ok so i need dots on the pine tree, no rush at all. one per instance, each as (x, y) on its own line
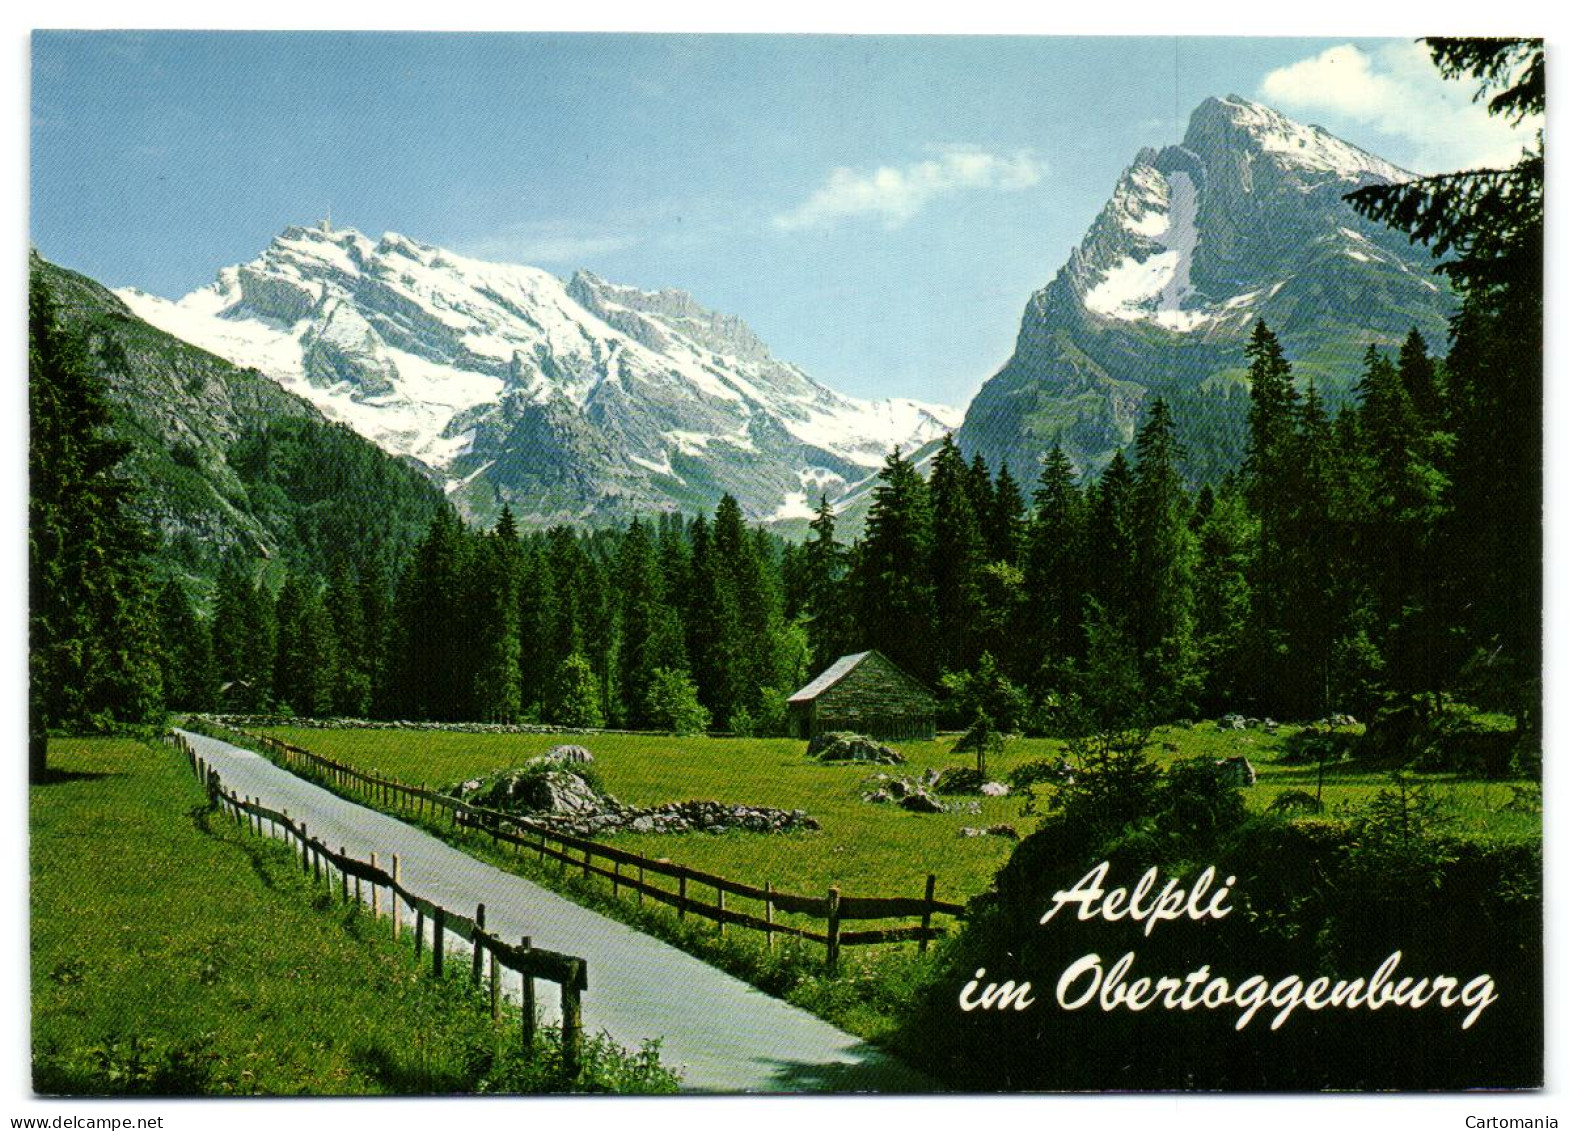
(1162, 616)
(824, 570)
(1006, 529)
(650, 634)
(186, 652)
(958, 553)
(92, 629)
(891, 575)
(495, 694)
(1419, 376)
(1111, 533)
(537, 618)
(1054, 571)
(1227, 538)
(1487, 227)
(1267, 479)
(351, 691)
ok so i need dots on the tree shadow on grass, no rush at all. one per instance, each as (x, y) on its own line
(401, 1074)
(60, 777)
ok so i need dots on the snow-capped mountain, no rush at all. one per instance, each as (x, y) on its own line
(1245, 219)
(570, 401)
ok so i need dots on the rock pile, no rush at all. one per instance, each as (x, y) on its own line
(847, 746)
(991, 830)
(914, 794)
(563, 801)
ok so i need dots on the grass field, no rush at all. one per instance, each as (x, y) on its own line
(874, 849)
(173, 954)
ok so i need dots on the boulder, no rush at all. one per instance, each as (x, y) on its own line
(1237, 771)
(921, 802)
(568, 752)
(846, 746)
(994, 789)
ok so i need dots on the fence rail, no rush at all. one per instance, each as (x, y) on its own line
(833, 907)
(319, 861)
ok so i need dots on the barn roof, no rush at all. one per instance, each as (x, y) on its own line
(831, 675)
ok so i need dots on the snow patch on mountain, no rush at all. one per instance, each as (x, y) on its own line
(455, 362)
(1153, 284)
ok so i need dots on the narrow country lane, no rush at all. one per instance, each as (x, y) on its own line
(724, 1035)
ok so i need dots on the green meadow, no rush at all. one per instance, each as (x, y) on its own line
(173, 953)
(883, 850)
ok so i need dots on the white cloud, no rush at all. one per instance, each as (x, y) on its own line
(896, 194)
(535, 244)
(1397, 91)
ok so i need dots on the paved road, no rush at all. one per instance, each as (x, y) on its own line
(723, 1034)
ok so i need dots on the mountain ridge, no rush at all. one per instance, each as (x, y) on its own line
(579, 401)
(1241, 220)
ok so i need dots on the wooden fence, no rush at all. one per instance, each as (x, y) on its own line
(630, 870)
(320, 862)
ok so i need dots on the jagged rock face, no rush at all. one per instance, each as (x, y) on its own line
(571, 401)
(1244, 220)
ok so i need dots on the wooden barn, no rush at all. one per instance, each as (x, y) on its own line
(866, 693)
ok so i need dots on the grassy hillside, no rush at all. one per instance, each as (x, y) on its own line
(227, 460)
(173, 954)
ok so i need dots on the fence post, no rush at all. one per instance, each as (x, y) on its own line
(719, 896)
(768, 912)
(479, 946)
(495, 988)
(438, 941)
(640, 885)
(588, 854)
(572, 1020)
(305, 848)
(681, 907)
(343, 851)
(833, 928)
(926, 915)
(529, 1008)
(397, 912)
(375, 894)
(615, 882)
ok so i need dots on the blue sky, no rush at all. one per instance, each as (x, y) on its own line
(878, 208)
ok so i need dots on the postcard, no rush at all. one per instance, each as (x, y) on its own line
(610, 563)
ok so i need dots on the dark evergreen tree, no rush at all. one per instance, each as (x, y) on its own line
(1486, 225)
(189, 683)
(958, 552)
(1162, 614)
(1267, 480)
(92, 629)
(351, 690)
(650, 634)
(891, 575)
(825, 562)
(1111, 536)
(1006, 529)
(491, 623)
(1054, 569)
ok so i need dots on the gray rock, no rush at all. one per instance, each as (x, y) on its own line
(846, 746)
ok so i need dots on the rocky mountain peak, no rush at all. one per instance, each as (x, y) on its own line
(582, 401)
(1245, 219)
